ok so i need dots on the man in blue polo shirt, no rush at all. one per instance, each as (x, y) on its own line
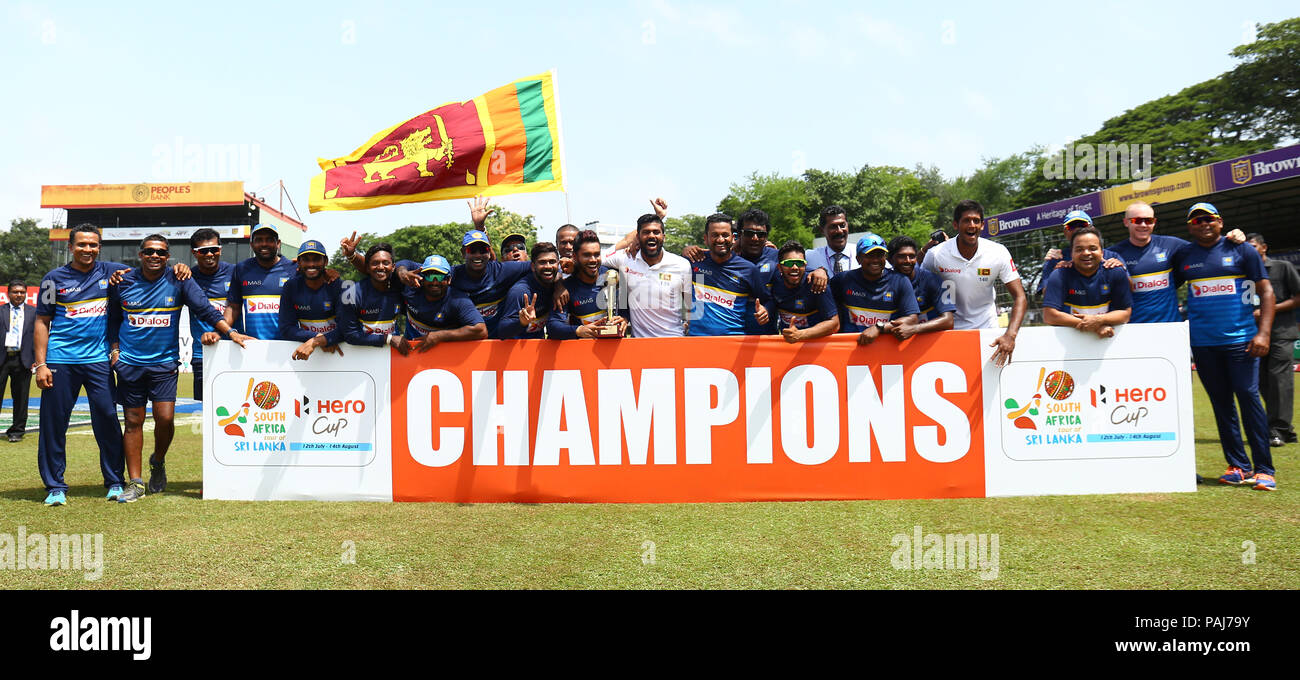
(213, 277)
(484, 280)
(587, 308)
(727, 286)
(370, 308)
(528, 310)
(934, 297)
(800, 313)
(1085, 296)
(71, 342)
(437, 313)
(1056, 260)
(144, 332)
(253, 303)
(309, 305)
(1224, 280)
(871, 296)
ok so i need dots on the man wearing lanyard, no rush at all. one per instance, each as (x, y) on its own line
(16, 324)
(838, 255)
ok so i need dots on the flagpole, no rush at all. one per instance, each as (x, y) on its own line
(559, 134)
(568, 216)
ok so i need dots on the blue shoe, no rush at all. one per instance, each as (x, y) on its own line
(114, 492)
(56, 498)
(1235, 476)
(1265, 482)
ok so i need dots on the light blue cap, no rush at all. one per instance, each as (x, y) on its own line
(436, 263)
(1077, 216)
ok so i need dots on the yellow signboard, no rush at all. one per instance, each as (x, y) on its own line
(1176, 186)
(141, 195)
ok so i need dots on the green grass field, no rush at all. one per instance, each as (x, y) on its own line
(177, 540)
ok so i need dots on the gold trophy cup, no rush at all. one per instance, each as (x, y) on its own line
(610, 329)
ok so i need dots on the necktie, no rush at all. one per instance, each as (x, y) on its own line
(839, 262)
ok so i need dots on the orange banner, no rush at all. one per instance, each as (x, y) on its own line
(701, 419)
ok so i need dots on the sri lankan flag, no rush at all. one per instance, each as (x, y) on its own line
(504, 142)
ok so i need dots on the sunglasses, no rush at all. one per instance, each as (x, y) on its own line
(753, 233)
(793, 263)
(1204, 219)
(513, 247)
(154, 251)
(1142, 220)
(208, 250)
(435, 277)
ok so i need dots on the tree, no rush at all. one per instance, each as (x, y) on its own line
(25, 252)
(883, 199)
(786, 200)
(418, 241)
(679, 232)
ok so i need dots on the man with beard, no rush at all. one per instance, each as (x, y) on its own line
(484, 280)
(727, 286)
(657, 283)
(801, 314)
(870, 296)
(528, 311)
(1224, 280)
(253, 303)
(144, 330)
(1085, 296)
(589, 292)
(437, 313)
(972, 265)
(933, 297)
(369, 310)
(309, 305)
(213, 278)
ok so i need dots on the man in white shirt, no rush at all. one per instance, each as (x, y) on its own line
(17, 321)
(969, 266)
(657, 283)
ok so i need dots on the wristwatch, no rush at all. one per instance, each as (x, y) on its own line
(880, 326)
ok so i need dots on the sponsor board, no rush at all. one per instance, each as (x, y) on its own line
(708, 419)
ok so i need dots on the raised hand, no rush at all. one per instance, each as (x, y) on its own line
(528, 312)
(479, 210)
(349, 245)
(660, 206)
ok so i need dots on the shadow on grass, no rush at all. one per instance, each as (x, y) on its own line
(38, 493)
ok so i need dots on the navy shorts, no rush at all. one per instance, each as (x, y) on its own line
(139, 385)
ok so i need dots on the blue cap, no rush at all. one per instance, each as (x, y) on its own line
(436, 263)
(312, 247)
(474, 236)
(1207, 208)
(1077, 216)
(264, 225)
(871, 242)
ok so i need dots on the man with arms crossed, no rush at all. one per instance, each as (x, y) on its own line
(144, 332)
(972, 265)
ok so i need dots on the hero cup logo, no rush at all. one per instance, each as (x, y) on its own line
(264, 395)
(1058, 386)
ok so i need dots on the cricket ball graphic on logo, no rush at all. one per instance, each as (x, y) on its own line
(266, 395)
(1059, 385)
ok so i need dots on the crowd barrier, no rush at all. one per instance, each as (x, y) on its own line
(703, 419)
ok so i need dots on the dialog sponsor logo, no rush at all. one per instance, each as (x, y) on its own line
(262, 305)
(1213, 288)
(1146, 283)
(92, 308)
(715, 296)
(149, 320)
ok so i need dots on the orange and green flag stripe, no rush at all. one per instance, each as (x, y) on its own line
(503, 142)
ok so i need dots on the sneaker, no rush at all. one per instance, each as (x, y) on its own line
(1276, 441)
(56, 498)
(1264, 482)
(157, 476)
(114, 492)
(1234, 476)
(134, 492)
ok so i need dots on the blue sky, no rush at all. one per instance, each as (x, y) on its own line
(657, 97)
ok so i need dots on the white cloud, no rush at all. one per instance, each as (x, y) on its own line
(807, 42)
(884, 34)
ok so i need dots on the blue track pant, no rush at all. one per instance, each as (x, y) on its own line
(56, 409)
(1227, 371)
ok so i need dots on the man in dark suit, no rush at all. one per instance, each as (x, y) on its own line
(17, 321)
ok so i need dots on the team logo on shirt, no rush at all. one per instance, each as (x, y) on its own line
(170, 300)
(227, 285)
(798, 304)
(1227, 261)
(665, 277)
(983, 272)
(283, 279)
(103, 283)
(1161, 256)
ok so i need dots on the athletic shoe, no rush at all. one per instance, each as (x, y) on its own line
(1235, 476)
(134, 492)
(114, 492)
(157, 476)
(56, 498)
(1264, 482)
(1276, 442)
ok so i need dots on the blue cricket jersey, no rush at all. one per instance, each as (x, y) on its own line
(724, 295)
(1220, 291)
(931, 298)
(452, 310)
(587, 301)
(216, 287)
(799, 307)
(1049, 266)
(767, 273)
(1151, 272)
(488, 292)
(305, 312)
(79, 307)
(1073, 293)
(368, 315)
(551, 323)
(862, 303)
(145, 316)
(255, 291)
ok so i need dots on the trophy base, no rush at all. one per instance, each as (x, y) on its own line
(607, 332)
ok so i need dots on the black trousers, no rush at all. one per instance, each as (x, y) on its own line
(20, 377)
(1277, 386)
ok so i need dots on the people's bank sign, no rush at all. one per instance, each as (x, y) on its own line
(703, 419)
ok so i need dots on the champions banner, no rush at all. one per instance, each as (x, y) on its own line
(504, 142)
(703, 419)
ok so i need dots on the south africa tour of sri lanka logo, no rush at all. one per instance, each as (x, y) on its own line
(264, 395)
(1057, 385)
